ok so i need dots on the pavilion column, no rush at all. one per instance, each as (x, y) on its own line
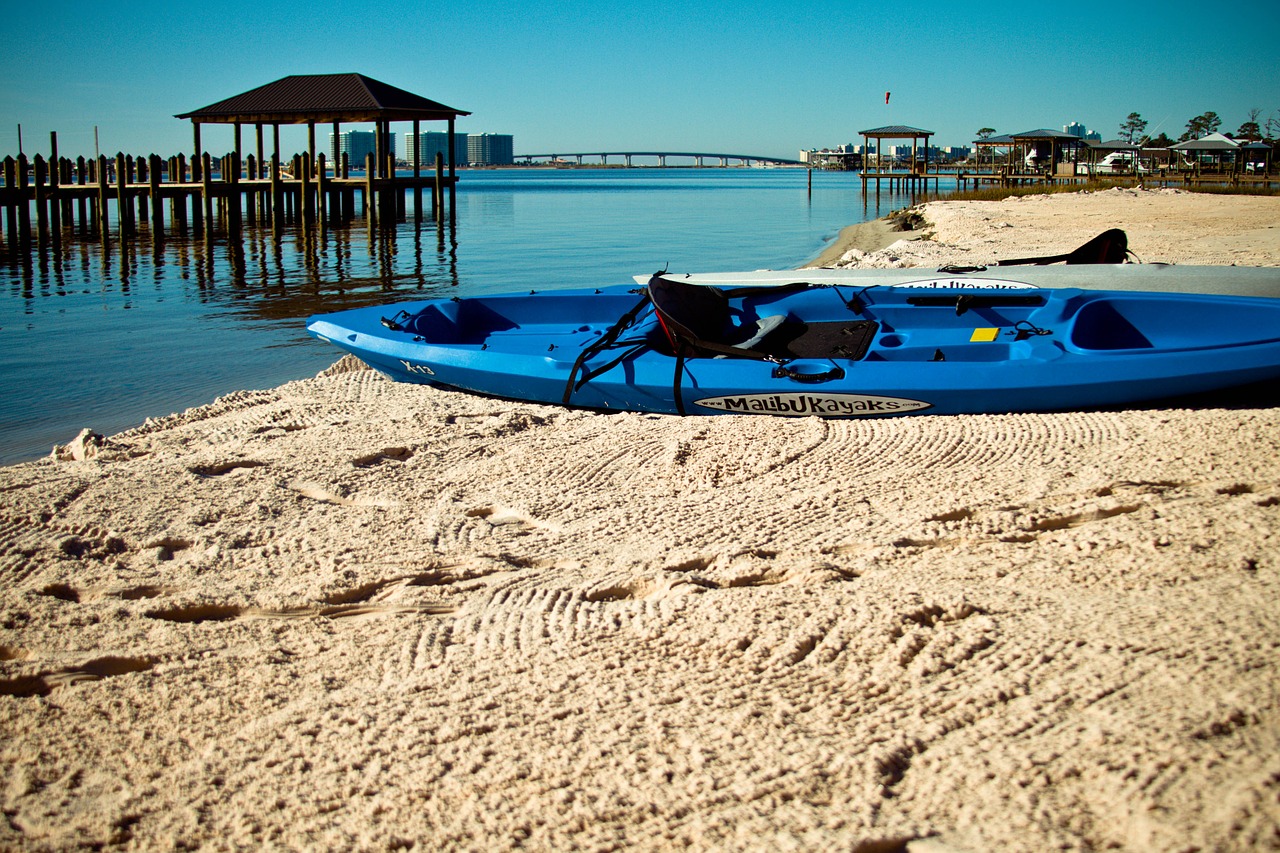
(452, 145)
(335, 194)
(417, 169)
(258, 129)
(311, 147)
(195, 126)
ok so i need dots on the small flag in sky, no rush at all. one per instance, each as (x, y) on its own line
(886, 97)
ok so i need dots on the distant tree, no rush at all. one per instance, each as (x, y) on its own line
(1201, 125)
(1161, 141)
(1272, 127)
(985, 132)
(1133, 128)
(1250, 130)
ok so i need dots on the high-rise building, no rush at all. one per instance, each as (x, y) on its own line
(491, 149)
(435, 142)
(1079, 131)
(357, 144)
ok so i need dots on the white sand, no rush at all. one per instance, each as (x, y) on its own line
(346, 613)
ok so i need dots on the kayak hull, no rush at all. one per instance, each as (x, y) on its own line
(1155, 278)
(1024, 350)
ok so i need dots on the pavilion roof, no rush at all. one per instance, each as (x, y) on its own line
(1115, 145)
(895, 131)
(303, 98)
(1212, 142)
(1045, 133)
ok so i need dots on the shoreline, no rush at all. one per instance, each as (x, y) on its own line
(874, 235)
(348, 613)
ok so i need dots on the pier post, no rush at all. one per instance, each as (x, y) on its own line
(260, 174)
(143, 199)
(275, 190)
(370, 207)
(417, 171)
(348, 194)
(11, 210)
(231, 174)
(178, 171)
(251, 197)
(55, 179)
(67, 178)
(293, 196)
(104, 219)
(206, 192)
(306, 208)
(437, 199)
(157, 207)
(42, 215)
(123, 212)
(321, 202)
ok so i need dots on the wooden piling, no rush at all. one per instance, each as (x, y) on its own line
(251, 197)
(180, 200)
(123, 212)
(231, 175)
(321, 201)
(42, 215)
(437, 198)
(206, 192)
(140, 164)
(11, 210)
(308, 213)
(81, 206)
(370, 206)
(157, 209)
(276, 214)
(104, 219)
(24, 212)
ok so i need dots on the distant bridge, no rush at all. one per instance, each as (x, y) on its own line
(699, 158)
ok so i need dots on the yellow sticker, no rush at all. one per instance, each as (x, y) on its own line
(983, 336)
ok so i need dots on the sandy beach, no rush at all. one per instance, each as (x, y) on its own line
(352, 614)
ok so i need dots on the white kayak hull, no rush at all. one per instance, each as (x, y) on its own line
(1156, 278)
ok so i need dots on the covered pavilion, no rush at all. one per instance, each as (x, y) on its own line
(991, 144)
(1214, 147)
(1112, 146)
(1257, 156)
(895, 131)
(1034, 144)
(313, 99)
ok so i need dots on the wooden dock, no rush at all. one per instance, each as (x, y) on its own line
(1011, 178)
(900, 181)
(51, 200)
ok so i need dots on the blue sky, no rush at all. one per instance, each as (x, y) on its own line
(755, 76)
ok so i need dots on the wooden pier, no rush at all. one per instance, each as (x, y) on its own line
(1007, 177)
(900, 181)
(51, 200)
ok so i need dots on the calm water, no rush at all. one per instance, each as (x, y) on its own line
(105, 341)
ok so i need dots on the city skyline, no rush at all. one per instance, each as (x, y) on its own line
(767, 78)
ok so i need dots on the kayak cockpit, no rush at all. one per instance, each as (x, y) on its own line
(1147, 323)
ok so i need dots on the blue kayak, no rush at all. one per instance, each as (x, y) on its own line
(820, 349)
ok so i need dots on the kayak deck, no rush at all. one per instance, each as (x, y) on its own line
(824, 349)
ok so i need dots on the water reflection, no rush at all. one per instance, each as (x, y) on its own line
(267, 273)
